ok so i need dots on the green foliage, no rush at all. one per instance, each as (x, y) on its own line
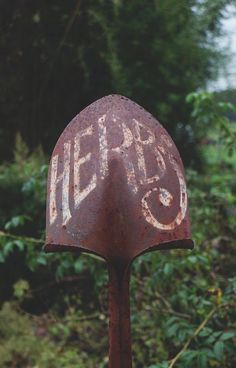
(53, 310)
(57, 316)
(29, 342)
(21, 287)
(210, 114)
(155, 54)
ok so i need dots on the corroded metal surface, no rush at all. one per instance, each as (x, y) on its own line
(116, 188)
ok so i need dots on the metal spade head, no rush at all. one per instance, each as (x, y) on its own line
(116, 188)
(116, 185)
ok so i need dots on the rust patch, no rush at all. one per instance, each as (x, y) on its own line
(116, 188)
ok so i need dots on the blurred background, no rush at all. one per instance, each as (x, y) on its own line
(177, 59)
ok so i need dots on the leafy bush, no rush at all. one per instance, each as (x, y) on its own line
(42, 342)
(182, 302)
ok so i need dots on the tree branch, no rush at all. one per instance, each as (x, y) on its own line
(22, 238)
(196, 332)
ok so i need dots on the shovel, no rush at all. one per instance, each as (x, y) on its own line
(116, 188)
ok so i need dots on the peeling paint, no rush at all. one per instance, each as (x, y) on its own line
(81, 194)
(103, 146)
(160, 152)
(55, 180)
(165, 197)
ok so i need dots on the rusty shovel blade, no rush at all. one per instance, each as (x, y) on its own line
(116, 188)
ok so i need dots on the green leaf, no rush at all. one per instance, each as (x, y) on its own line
(8, 248)
(159, 365)
(78, 265)
(2, 258)
(168, 269)
(219, 349)
(42, 260)
(205, 332)
(16, 221)
(36, 18)
(227, 335)
(20, 288)
(19, 244)
(202, 360)
(192, 259)
(172, 330)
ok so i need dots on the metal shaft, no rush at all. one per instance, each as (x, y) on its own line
(120, 354)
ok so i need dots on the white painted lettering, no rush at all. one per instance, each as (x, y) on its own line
(55, 179)
(166, 198)
(127, 142)
(139, 143)
(103, 146)
(80, 195)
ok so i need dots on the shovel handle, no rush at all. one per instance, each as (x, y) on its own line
(120, 354)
